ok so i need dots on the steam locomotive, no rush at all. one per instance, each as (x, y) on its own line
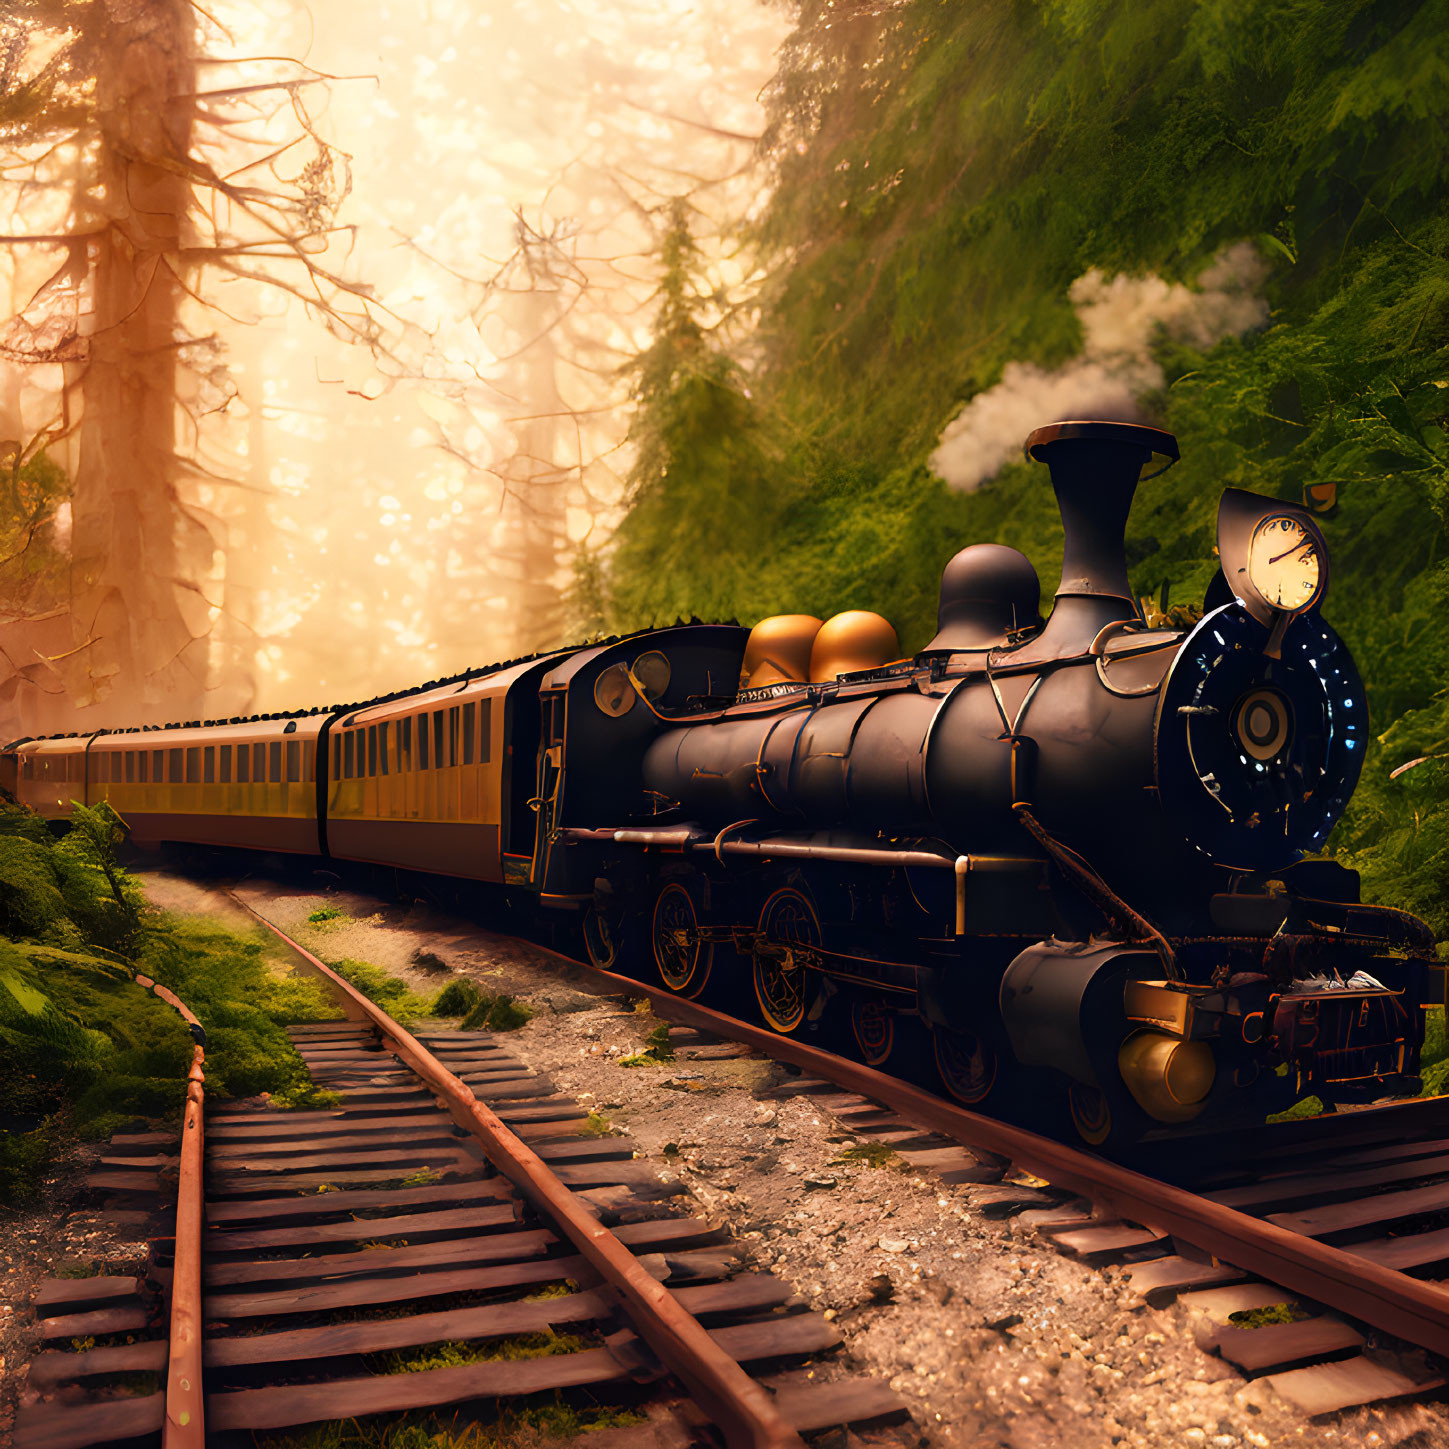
(1076, 852)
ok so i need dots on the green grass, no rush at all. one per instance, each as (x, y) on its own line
(395, 996)
(323, 914)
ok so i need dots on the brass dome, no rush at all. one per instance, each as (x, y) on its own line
(778, 650)
(856, 639)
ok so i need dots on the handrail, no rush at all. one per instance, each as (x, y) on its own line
(743, 1410)
(185, 1416)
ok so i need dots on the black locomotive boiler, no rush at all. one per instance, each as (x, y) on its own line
(1079, 853)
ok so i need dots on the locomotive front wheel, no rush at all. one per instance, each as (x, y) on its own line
(873, 1024)
(785, 989)
(1111, 1121)
(1091, 1113)
(967, 1063)
(601, 939)
(682, 958)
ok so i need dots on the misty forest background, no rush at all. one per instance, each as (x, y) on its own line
(932, 183)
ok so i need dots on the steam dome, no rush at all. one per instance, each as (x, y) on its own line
(987, 590)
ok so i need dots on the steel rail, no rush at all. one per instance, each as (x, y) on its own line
(185, 1424)
(1409, 1308)
(742, 1409)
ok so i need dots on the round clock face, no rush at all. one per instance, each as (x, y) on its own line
(1284, 563)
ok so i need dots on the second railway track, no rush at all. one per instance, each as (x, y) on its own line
(452, 1199)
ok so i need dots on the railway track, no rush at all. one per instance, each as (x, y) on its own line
(1337, 1223)
(1342, 1221)
(454, 1198)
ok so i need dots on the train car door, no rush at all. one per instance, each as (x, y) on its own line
(550, 777)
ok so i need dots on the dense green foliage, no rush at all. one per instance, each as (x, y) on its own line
(702, 467)
(943, 173)
(83, 1049)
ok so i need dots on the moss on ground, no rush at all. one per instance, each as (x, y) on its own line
(84, 1051)
(655, 1051)
(552, 1418)
(457, 1353)
(1267, 1316)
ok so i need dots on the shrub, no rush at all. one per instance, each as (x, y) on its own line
(457, 998)
(496, 1013)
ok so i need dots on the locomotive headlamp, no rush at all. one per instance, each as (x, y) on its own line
(1263, 723)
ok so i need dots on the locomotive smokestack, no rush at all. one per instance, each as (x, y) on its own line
(1095, 470)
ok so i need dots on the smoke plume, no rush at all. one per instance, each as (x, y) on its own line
(1120, 317)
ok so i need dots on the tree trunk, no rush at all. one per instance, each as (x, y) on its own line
(140, 632)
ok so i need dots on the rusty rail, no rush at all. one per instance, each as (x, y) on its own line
(743, 1410)
(185, 1426)
(1406, 1307)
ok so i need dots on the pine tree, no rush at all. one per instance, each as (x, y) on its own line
(700, 489)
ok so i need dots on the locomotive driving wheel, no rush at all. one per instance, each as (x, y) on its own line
(683, 959)
(784, 987)
(873, 1024)
(601, 939)
(967, 1063)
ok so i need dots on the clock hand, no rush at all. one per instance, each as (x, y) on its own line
(1297, 548)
